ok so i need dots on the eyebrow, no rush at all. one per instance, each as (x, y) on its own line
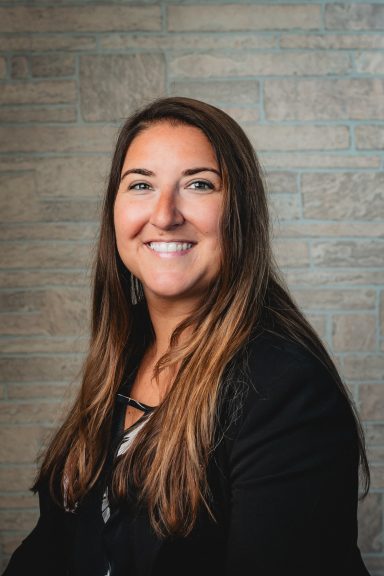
(188, 172)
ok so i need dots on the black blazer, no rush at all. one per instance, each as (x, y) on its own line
(284, 483)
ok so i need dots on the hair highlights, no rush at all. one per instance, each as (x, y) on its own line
(169, 469)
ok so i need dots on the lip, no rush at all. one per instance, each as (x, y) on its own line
(177, 240)
(173, 254)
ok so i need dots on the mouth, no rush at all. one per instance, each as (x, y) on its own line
(170, 247)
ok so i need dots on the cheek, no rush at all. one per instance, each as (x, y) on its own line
(210, 221)
(128, 220)
(204, 212)
(215, 221)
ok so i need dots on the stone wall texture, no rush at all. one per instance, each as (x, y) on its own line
(306, 81)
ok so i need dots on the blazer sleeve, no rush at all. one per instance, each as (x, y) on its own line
(293, 472)
(46, 550)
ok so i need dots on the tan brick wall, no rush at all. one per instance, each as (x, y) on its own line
(306, 81)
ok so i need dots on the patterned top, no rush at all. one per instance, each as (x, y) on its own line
(129, 435)
(127, 439)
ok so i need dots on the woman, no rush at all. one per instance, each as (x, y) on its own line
(212, 433)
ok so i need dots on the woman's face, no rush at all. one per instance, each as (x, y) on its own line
(167, 212)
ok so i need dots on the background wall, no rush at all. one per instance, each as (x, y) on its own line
(305, 80)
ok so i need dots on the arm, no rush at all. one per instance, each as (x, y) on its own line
(293, 472)
(46, 550)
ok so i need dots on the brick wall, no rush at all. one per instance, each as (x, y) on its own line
(306, 81)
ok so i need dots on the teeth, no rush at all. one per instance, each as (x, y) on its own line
(169, 246)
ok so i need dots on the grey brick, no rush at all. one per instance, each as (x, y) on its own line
(20, 501)
(281, 182)
(18, 519)
(186, 41)
(336, 229)
(40, 368)
(377, 476)
(19, 67)
(292, 253)
(319, 324)
(219, 92)
(44, 92)
(19, 444)
(243, 116)
(374, 434)
(68, 139)
(30, 412)
(69, 231)
(332, 41)
(29, 197)
(381, 319)
(46, 255)
(18, 198)
(57, 65)
(375, 565)
(284, 207)
(243, 17)
(350, 16)
(53, 312)
(46, 42)
(335, 299)
(41, 278)
(38, 115)
(197, 65)
(304, 159)
(348, 253)
(74, 177)
(79, 18)
(370, 63)
(334, 278)
(278, 137)
(369, 367)
(369, 137)
(41, 391)
(371, 523)
(112, 87)
(336, 196)
(325, 99)
(353, 332)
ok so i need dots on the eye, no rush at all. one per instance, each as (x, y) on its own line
(201, 185)
(139, 186)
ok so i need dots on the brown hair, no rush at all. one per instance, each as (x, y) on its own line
(169, 470)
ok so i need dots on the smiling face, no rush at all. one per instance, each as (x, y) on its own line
(167, 212)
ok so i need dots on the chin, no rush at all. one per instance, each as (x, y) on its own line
(172, 293)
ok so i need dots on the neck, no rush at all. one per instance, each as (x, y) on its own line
(165, 317)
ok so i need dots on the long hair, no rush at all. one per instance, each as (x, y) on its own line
(167, 463)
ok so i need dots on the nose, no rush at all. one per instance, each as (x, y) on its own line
(166, 213)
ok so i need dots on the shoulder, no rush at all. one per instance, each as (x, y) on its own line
(284, 413)
(278, 384)
(271, 363)
(275, 353)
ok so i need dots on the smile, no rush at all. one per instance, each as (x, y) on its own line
(169, 246)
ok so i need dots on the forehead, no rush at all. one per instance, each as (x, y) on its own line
(173, 140)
